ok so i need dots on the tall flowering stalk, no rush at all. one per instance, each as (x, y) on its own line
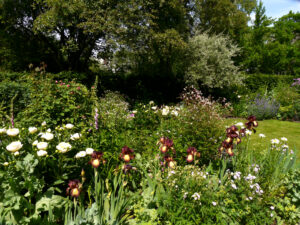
(96, 119)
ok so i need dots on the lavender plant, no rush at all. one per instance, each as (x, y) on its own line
(263, 107)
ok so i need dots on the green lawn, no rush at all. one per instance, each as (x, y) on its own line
(274, 129)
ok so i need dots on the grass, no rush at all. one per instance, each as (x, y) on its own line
(274, 129)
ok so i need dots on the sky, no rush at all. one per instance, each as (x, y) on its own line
(278, 8)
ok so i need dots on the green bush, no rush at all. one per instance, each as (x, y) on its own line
(55, 102)
(255, 81)
(199, 124)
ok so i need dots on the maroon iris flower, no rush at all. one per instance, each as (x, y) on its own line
(192, 153)
(74, 188)
(127, 154)
(251, 123)
(96, 159)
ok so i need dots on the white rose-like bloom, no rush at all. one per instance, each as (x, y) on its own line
(35, 143)
(16, 153)
(284, 139)
(80, 154)
(48, 136)
(42, 145)
(174, 112)
(69, 126)
(89, 151)
(275, 141)
(2, 130)
(63, 147)
(32, 130)
(75, 136)
(12, 132)
(44, 123)
(14, 146)
(41, 153)
(154, 107)
(5, 164)
(262, 135)
(165, 111)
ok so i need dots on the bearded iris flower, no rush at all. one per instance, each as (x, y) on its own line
(166, 144)
(192, 153)
(127, 154)
(74, 188)
(96, 159)
(251, 123)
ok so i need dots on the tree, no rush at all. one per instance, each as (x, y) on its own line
(223, 16)
(211, 61)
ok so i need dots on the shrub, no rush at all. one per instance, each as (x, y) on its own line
(55, 101)
(211, 61)
(198, 124)
(255, 81)
(263, 107)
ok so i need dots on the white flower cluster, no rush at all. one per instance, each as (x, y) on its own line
(236, 175)
(257, 188)
(170, 110)
(256, 168)
(196, 196)
(250, 177)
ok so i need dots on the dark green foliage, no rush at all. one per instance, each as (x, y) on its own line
(255, 81)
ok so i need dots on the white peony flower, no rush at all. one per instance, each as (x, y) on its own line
(262, 135)
(80, 154)
(42, 145)
(63, 147)
(2, 130)
(12, 132)
(69, 126)
(35, 143)
(174, 112)
(165, 111)
(32, 130)
(44, 123)
(48, 130)
(5, 164)
(284, 139)
(48, 136)
(75, 136)
(16, 153)
(41, 153)
(214, 203)
(154, 107)
(275, 141)
(14, 146)
(89, 151)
